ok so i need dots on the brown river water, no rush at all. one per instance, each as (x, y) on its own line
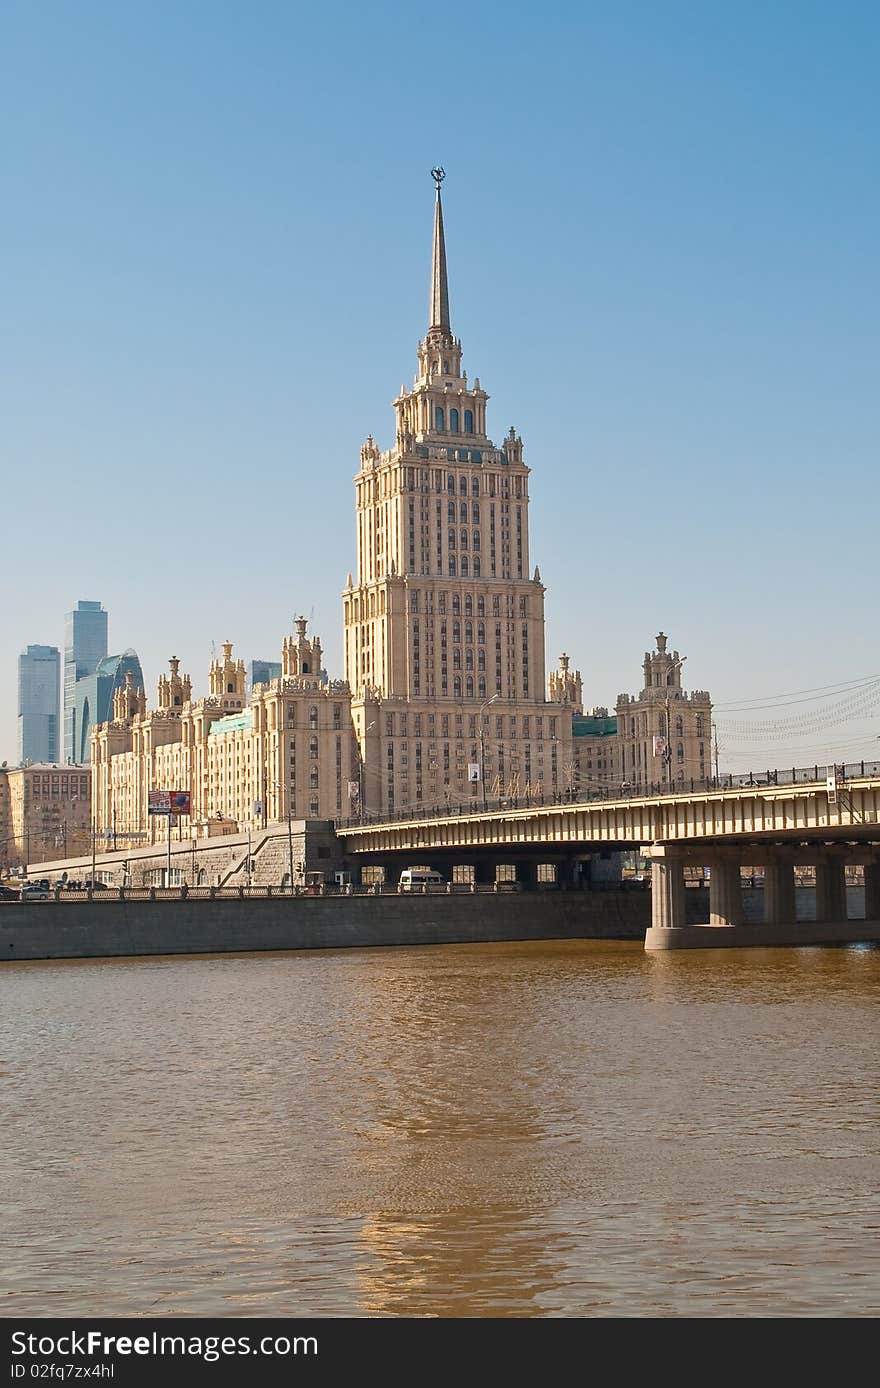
(571, 1129)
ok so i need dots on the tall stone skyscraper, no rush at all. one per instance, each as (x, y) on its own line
(85, 645)
(39, 699)
(445, 617)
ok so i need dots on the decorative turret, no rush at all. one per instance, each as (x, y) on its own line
(662, 670)
(566, 686)
(128, 702)
(513, 447)
(370, 454)
(175, 689)
(227, 679)
(299, 655)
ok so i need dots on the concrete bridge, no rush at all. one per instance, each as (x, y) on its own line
(823, 824)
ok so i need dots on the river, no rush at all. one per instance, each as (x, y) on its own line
(571, 1129)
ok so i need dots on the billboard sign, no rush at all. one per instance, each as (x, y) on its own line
(169, 802)
(473, 771)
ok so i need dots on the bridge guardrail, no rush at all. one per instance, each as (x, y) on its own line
(793, 776)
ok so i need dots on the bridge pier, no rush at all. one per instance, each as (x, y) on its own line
(725, 894)
(779, 905)
(831, 890)
(667, 894)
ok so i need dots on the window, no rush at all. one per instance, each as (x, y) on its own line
(481, 608)
(700, 731)
(313, 778)
(468, 421)
(464, 566)
(453, 421)
(439, 420)
(452, 566)
(680, 752)
(313, 748)
(456, 605)
(456, 686)
(313, 716)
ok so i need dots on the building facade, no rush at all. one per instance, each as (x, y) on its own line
(44, 814)
(288, 752)
(444, 619)
(664, 734)
(85, 646)
(39, 700)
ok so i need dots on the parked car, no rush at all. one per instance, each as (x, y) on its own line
(94, 886)
(9, 894)
(34, 891)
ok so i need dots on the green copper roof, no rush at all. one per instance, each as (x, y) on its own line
(233, 723)
(587, 726)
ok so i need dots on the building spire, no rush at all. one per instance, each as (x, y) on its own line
(439, 316)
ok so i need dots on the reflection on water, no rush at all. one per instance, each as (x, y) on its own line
(507, 1130)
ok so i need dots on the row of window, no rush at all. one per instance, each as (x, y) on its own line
(454, 421)
(74, 787)
(456, 604)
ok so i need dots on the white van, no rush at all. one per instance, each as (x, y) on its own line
(414, 879)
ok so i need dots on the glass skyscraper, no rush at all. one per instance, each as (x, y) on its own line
(39, 700)
(85, 646)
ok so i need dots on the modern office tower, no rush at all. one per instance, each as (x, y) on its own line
(39, 697)
(85, 645)
(262, 672)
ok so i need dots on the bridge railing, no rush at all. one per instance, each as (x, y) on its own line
(619, 790)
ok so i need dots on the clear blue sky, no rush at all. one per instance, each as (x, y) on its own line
(662, 224)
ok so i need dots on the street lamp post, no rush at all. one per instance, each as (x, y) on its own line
(276, 785)
(484, 705)
(367, 729)
(674, 664)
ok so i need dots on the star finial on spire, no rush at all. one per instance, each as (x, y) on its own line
(439, 313)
